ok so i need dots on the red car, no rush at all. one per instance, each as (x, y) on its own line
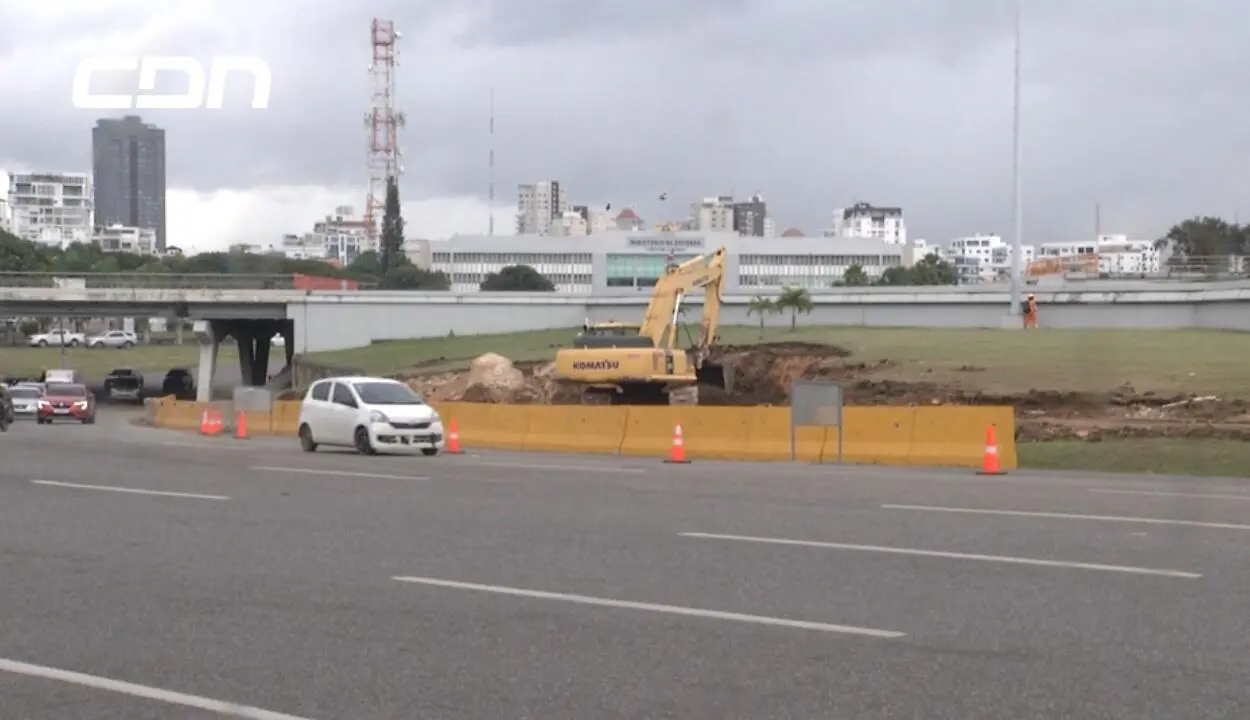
(66, 401)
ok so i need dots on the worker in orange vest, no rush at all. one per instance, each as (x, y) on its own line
(1030, 313)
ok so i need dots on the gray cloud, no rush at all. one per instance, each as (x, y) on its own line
(1137, 105)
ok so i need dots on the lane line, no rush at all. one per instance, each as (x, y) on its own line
(1071, 516)
(653, 607)
(1160, 493)
(950, 555)
(336, 473)
(143, 691)
(131, 491)
(553, 466)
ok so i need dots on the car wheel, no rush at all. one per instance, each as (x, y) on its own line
(429, 452)
(127, 345)
(43, 343)
(89, 420)
(73, 343)
(363, 445)
(306, 439)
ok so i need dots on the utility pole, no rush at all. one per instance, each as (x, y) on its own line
(1017, 262)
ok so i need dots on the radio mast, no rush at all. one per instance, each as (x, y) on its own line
(382, 123)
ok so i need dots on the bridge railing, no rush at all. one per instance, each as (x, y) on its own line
(132, 280)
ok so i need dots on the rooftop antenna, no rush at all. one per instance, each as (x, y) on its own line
(491, 194)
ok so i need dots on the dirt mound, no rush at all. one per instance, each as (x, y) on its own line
(763, 373)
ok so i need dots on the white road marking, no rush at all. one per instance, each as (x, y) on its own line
(132, 491)
(336, 473)
(1071, 516)
(142, 691)
(1160, 493)
(652, 607)
(553, 466)
(949, 555)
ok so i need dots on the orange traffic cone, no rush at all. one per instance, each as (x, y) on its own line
(453, 439)
(240, 426)
(206, 422)
(677, 455)
(989, 461)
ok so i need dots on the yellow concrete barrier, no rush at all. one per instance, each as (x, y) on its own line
(472, 421)
(768, 437)
(284, 418)
(927, 436)
(707, 432)
(259, 422)
(507, 425)
(179, 415)
(575, 429)
(955, 436)
(876, 435)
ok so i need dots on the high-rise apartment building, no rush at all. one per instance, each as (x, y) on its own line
(539, 206)
(50, 208)
(129, 166)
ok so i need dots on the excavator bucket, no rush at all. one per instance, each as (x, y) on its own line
(717, 374)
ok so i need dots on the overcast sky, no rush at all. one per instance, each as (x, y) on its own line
(1140, 105)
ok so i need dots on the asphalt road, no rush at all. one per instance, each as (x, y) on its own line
(553, 587)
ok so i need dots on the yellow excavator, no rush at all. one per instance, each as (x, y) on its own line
(628, 364)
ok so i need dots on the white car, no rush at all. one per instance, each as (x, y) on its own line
(113, 339)
(57, 338)
(25, 397)
(369, 414)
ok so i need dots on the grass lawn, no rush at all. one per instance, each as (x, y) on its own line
(1166, 361)
(1230, 458)
(95, 364)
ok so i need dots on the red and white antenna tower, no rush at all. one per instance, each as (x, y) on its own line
(383, 123)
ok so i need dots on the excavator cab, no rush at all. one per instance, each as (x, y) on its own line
(611, 334)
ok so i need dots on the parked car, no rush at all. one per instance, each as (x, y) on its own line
(179, 383)
(124, 384)
(119, 339)
(57, 338)
(369, 414)
(25, 399)
(66, 401)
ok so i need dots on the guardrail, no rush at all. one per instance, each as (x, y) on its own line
(187, 281)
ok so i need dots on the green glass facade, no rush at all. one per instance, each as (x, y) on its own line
(639, 270)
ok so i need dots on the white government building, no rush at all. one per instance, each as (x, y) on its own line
(617, 260)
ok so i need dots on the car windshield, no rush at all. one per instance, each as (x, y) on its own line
(25, 392)
(387, 393)
(66, 390)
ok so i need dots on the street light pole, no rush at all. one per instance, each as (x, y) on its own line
(1017, 262)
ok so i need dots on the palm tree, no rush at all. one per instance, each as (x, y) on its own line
(796, 300)
(762, 306)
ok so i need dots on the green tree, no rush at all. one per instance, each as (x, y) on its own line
(762, 307)
(1205, 241)
(796, 300)
(932, 270)
(410, 277)
(855, 276)
(517, 278)
(392, 246)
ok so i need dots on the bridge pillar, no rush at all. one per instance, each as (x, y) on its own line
(255, 338)
(209, 334)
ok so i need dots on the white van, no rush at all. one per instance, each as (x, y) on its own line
(71, 377)
(369, 414)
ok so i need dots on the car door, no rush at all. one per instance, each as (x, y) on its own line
(316, 411)
(344, 411)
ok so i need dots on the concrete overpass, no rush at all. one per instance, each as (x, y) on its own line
(313, 321)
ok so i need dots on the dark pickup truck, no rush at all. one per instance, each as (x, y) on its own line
(124, 384)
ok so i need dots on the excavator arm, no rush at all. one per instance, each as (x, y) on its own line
(704, 272)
